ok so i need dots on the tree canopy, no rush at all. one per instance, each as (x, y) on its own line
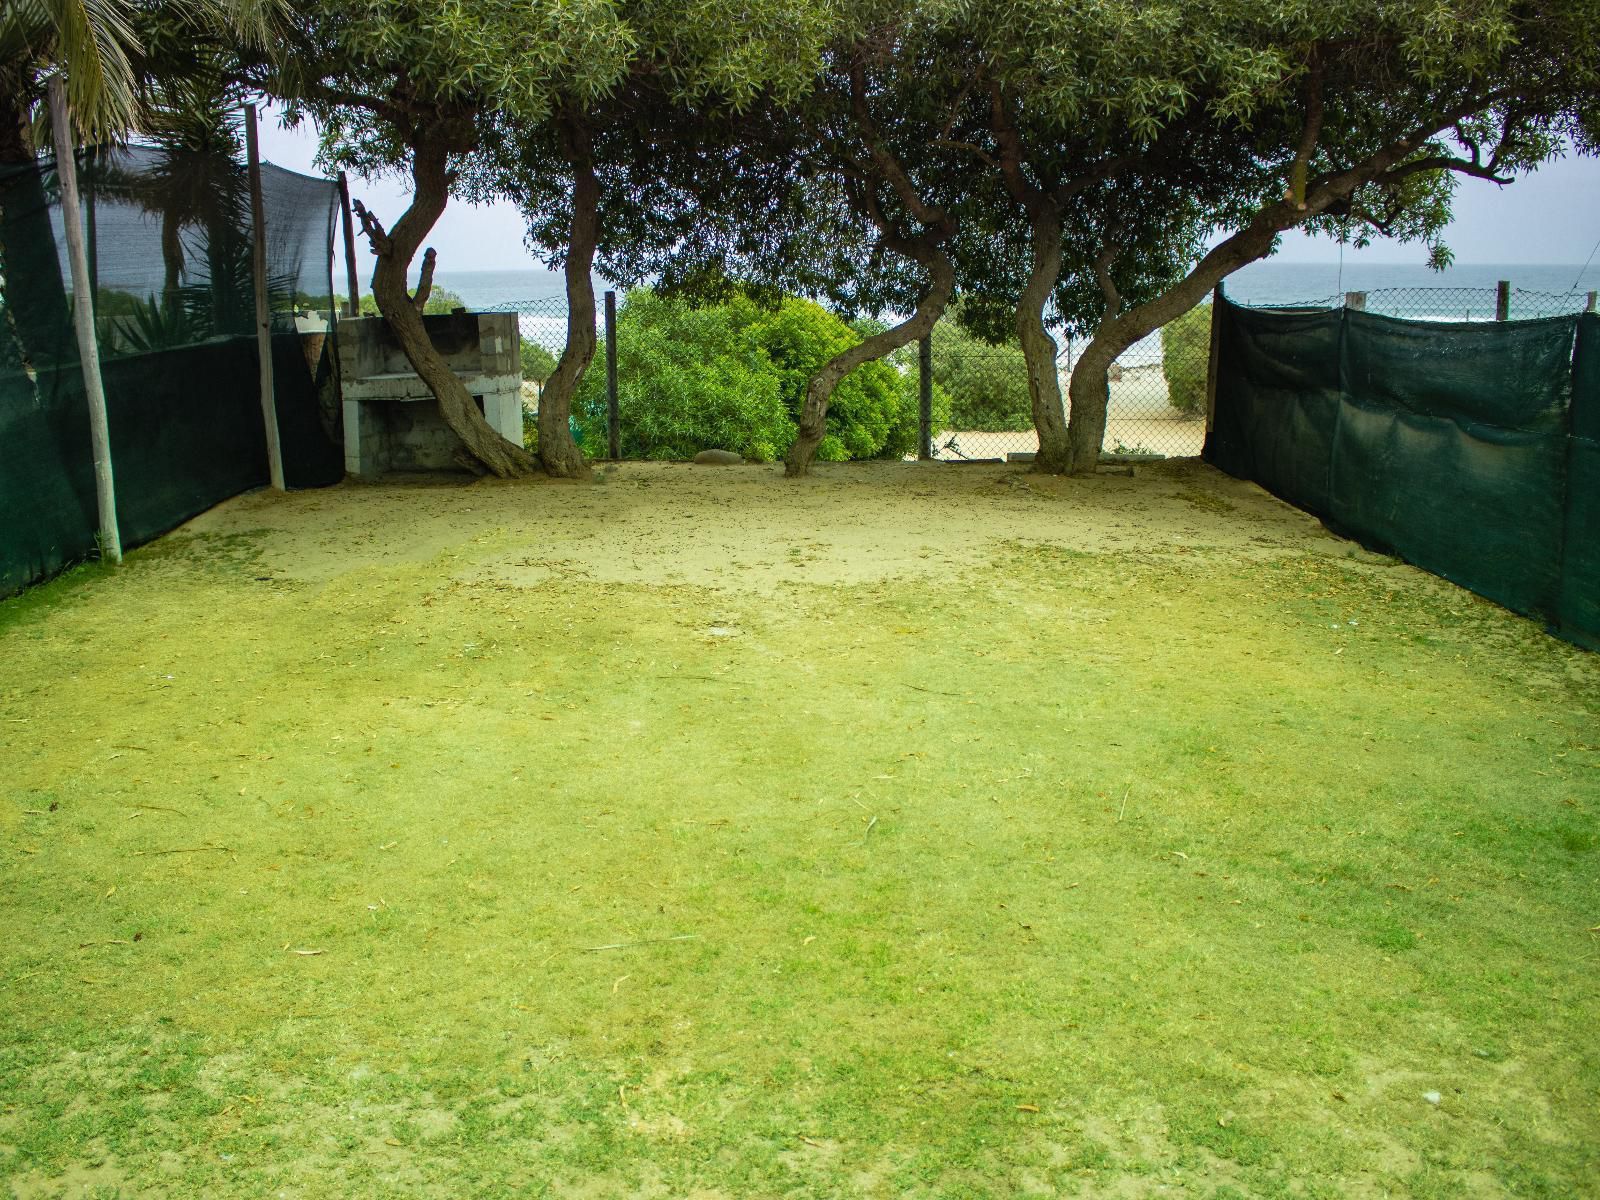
(1050, 166)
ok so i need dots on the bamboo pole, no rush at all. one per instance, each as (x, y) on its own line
(83, 321)
(258, 264)
(349, 247)
(1213, 357)
(925, 397)
(613, 413)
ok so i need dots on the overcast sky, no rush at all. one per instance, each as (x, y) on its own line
(1550, 216)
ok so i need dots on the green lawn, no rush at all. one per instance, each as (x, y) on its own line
(711, 835)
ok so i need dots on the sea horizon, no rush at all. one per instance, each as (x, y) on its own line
(1268, 282)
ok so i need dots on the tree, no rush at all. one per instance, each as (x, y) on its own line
(627, 175)
(876, 181)
(410, 89)
(1125, 143)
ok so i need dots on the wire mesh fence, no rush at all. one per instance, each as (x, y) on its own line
(542, 323)
(1156, 401)
(1451, 304)
(1157, 387)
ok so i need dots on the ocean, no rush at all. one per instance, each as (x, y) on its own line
(1460, 293)
(1264, 283)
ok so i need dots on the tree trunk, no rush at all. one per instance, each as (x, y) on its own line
(171, 258)
(1089, 387)
(1089, 391)
(1039, 348)
(814, 413)
(557, 451)
(429, 161)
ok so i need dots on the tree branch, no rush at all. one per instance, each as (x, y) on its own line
(970, 147)
(424, 281)
(1009, 142)
(1108, 287)
(1309, 133)
(886, 163)
(372, 230)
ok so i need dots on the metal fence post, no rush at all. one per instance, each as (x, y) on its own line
(613, 413)
(925, 397)
(1502, 300)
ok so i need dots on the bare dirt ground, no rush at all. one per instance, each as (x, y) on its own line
(746, 529)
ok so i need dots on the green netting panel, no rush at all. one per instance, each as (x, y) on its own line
(1451, 449)
(1579, 612)
(1277, 401)
(169, 238)
(47, 504)
(1586, 379)
(1471, 450)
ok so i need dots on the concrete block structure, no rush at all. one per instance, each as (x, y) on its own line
(391, 420)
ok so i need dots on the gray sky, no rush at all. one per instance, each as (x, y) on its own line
(1550, 216)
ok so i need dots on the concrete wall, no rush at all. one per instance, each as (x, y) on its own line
(391, 420)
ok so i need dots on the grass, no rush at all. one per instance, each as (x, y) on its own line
(1069, 872)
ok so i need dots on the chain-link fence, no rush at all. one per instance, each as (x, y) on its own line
(542, 323)
(1452, 304)
(1157, 402)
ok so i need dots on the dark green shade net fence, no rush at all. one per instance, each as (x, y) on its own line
(169, 240)
(1469, 450)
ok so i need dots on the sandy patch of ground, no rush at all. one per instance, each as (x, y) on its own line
(747, 528)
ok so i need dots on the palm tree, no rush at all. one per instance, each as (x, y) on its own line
(118, 58)
(92, 42)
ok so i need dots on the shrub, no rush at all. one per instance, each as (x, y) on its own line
(733, 376)
(687, 380)
(538, 364)
(1186, 358)
(440, 300)
(987, 385)
(798, 339)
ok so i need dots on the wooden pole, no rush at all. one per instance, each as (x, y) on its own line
(613, 411)
(1356, 300)
(258, 263)
(83, 321)
(349, 247)
(925, 397)
(1213, 357)
(1502, 300)
(1589, 307)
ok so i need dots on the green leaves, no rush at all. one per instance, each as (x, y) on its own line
(732, 376)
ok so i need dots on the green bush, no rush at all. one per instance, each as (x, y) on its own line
(1186, 358)
(987, 385)
(538, 364)
(687, 379)
(440, 300)
(733, 376)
